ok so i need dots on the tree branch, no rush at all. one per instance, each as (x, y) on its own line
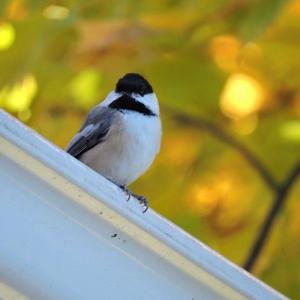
(219, 133)
(280, 191)
(280, 197)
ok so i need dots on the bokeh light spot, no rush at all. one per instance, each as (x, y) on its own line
(242, 96)
(18, 98)
(218, 199)
(290, 130)
(7, 35)
(84, 87)
(225, 50)
(246, 125)
(56, 12)
(205, 200)
(24, 115)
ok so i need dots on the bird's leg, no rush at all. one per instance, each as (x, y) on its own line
(141, 199)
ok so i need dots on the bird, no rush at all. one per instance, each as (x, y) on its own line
(121, 136)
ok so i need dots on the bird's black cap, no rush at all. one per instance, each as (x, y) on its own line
(133, 83)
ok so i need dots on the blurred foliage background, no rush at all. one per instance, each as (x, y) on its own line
(234, 64)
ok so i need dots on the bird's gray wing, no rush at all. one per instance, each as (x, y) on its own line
(93, 131)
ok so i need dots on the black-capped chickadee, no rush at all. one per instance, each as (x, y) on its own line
(121, 136)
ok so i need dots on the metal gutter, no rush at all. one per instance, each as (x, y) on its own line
(68, 233)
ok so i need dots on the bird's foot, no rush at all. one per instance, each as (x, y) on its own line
(143, 201)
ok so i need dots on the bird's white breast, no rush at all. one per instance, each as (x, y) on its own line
(129, 148)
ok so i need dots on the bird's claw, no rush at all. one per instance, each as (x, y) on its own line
(126, 191)
(143, 201)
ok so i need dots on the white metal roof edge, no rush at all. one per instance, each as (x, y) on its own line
(151, 223)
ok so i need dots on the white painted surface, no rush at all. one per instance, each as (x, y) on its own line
(68, 233)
